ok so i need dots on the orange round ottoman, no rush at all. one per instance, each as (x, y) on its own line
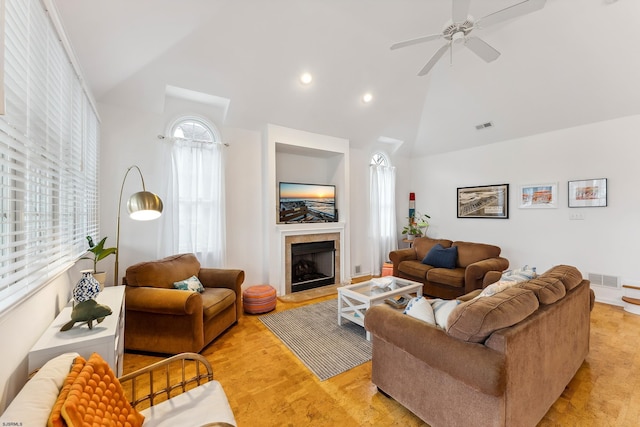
(259, 299)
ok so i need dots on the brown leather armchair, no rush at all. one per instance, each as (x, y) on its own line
(162, 319)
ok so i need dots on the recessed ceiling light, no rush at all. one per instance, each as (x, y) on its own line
(367, 97)
(306, 78)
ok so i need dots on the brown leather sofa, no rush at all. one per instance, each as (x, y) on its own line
(162, 319)
(503, 360)
(474, 261)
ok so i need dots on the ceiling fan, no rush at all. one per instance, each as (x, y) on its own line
(461, 26)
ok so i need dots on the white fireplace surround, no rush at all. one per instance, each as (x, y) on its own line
(281, 274)
(304, 235)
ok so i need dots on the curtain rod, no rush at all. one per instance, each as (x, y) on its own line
(175, 138)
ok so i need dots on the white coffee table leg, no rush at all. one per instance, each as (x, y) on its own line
(339, 308)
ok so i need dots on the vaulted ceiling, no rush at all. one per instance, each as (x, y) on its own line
(571, 63)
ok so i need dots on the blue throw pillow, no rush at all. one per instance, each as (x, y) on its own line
(441, 257)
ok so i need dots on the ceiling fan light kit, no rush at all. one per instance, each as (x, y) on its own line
(462, 25)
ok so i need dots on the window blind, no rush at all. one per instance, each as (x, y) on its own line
(49, 145)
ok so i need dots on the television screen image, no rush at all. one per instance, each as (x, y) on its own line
(307, 202)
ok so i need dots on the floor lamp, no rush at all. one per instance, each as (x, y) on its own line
(142, 206)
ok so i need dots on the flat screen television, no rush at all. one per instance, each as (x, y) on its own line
(300, 203)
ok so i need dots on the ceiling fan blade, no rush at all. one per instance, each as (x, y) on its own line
(415, 41)
(436, 56)
(460, 10)
(510, 12)
(482, 49)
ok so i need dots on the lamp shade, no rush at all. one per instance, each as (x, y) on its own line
(144, 206)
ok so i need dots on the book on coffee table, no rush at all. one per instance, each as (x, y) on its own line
(399, 301)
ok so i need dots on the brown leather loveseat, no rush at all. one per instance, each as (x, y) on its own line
(473, 262)
(162, 319)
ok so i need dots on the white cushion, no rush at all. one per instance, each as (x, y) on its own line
(199, 406)
(420, 308)
(32, 406)
(442, 309)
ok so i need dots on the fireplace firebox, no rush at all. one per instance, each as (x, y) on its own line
(312, 265)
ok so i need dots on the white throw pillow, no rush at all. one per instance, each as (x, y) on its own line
(421, 309)
(442, 309)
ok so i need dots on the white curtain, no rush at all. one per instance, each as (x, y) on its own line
(194, 217)
(383, 215)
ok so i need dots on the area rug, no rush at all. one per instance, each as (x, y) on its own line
(313, 335)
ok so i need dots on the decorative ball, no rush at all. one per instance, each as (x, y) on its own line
(87, 288)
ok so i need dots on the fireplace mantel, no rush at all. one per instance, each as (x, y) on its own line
(294, 233)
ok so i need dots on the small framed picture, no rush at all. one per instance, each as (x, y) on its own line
(539, 196)
(485, 201)
(588, 193)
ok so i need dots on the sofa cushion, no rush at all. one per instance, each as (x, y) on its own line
(568, 274)
(422, 245)
(547, 289)
(447, 276)
(191, 284)
(469, 252)
(440, 257)
(214, 300)
(163, 273)
(475, 320)
(97, 398)
(414, 268)
(55, 418)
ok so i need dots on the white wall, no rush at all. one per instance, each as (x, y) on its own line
(130, 137)
(604, 242)
(21, 327)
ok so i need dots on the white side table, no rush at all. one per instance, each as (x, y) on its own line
(106, 338)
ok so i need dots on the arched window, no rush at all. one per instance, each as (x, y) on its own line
(379, 159)
(382, 208)
(195, 222)
(194, 129)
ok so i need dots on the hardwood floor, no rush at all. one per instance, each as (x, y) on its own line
(268, 386)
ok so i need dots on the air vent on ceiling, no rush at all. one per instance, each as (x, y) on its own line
(484, 125)
(604, 280)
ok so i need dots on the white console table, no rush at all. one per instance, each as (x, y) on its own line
(106, 338)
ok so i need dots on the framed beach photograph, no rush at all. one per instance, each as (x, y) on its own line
(588, 193)
(485, 201)
(539, 196)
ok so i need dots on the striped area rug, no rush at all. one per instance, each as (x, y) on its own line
(313, 335)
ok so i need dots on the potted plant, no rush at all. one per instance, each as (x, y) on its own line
(99, 253)
(417, 226)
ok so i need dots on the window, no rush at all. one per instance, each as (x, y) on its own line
(195, 222)
(382, 210)
(48, 156)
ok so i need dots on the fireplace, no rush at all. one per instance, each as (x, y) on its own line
(311, 261)
(312, 265)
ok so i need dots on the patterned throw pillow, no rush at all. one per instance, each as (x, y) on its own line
(97, 398)
(55, 418)
(191, 284)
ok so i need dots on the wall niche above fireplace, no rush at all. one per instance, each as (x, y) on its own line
(305, 157)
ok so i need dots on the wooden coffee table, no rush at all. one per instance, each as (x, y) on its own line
(354, 300)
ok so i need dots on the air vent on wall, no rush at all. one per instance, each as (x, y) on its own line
(604, 280)
(484, 125)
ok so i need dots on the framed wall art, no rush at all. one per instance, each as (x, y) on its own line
(485, 201)
(539, 196)
(588, 193)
